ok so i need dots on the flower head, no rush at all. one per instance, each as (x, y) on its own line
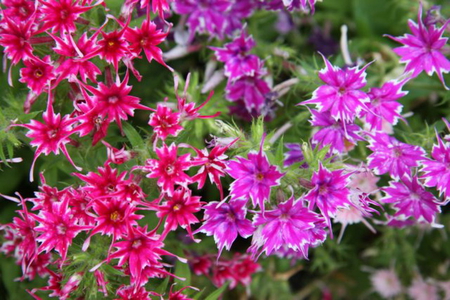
(165, 122)
(422, 50)
(386, 283)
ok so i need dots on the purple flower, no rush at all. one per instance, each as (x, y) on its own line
(437, 172)
(341, 136)
(341, 94)
(383, 104)
(329, 192)
(224, 221)
(303, 5)
(410, 199)
(422, 50)
(289, 226)
(238, 62)
(252, 90)
(294, 155)
(393, 157)
(205, 16)
(254, 177)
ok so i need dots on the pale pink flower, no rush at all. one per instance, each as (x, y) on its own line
(386, 283)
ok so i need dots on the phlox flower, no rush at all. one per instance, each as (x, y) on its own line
(422, 50)
(289, 225)
(37, 74)
(224, 221)
(329, 192)
(423, 290)
(252, 90)
(57, 229)
(60, 15)
(179, 211)
(169, 168)
(436, 171)
(18, 10)
(50, 136)
(303, 5)
(132, 293)
(340, 136)
(238, 62)
(165, 122)
(341, 95)
(117, 156)
(383, 105)
(254, 177)
(410, 199)
(105, 183)
(391, 156)
(386, 283)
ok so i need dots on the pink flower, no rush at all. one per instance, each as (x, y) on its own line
(383, 105)
(224, 221)
(106, 183)
(37, 74)
(423, 290)
(341, 94)
(58, 228)
(386, 283)
(51, 136)
(329, 192)
(146, 38)
(165, 122)
(61, 15)
(436, 172)
(251, 90)
(18, 10)
(339, 135)
(422, 51)
(391, 156)
(169, 168)
(117, 156)
(254, 177)
(303, 5)
(179, 210)
(289, 225)
(410, 199)
(238, 62)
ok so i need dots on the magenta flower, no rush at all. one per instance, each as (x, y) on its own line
(422, 51)
(393, 157)
(51, 136)
(290, 225)
(251, 90)
(329, 192)
(165, 122)
(106, 183)
(60, 16)
(37, 74)
(436, 172)
(303, 5)
(383, 106)
(169, 168)
(340, 136)
(254, 177)
(410, 199)
(294, 155)
(179, 210)
(58, 228)
(238, 62)
(341, 94)
(224, 221)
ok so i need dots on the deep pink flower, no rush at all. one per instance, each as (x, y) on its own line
(146, 38)
(339, 135)
(106, 183)
(383, 105)
(238, 62)
(15, 38)
(224, 221)
(341, 95)
(254, 177)
(391, 156)
(60, 15)
(114, 100)
(73, 64)
(37, 74)
(302, 5)
(18, 10)
(179, 209)
(329, 192)
(422, 51)
(117, 156)
(50, 136)
(58, 228)
(410, 199)
(165, 122)
(289, 225)
(132, 293)
(138, 250)
(169, 168)
(436, 172)
(243, 268)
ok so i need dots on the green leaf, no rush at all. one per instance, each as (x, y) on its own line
(199, 294)
(133, 136)
(182, 270)
(216, 294)
(163, 286)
